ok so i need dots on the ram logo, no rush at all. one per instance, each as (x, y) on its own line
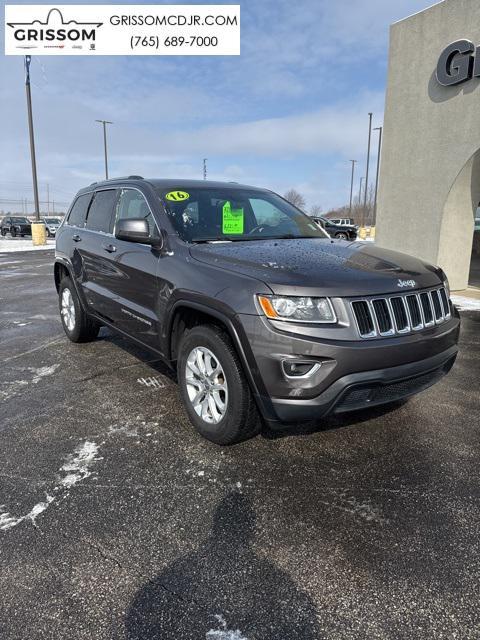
(406, 283)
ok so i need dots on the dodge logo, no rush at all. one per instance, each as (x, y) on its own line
(406, 283)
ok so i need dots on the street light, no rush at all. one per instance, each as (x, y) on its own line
(205, 168)
(28, 60)
(104, 123)
(368, 163)
(380, 130)
(351, 184)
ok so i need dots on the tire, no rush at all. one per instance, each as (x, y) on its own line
(341, 236)
(49, 235)
(239, 420)
(78, 326)
(13, 233)
(4, 232)
(22, 235)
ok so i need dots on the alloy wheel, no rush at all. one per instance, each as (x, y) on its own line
(68, 309)
(206, 385)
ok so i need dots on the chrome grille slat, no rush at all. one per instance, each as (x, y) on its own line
(400, 314)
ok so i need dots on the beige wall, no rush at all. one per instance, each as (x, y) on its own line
(430, 173)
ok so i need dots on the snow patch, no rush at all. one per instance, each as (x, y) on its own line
(77, 465)
(10, 245)
(224, 633)
(465, 304)
(42, 372)
(76, 469)
(154, 382)
(8, 522)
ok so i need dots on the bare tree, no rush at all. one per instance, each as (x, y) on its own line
(295, 198)
(315, 210)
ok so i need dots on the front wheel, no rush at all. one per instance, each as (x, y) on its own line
(213, 387)
(13, 233)
(78, 326)
(341, 236)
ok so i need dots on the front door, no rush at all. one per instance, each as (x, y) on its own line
(132, 274)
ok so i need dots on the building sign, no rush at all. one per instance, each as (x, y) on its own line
(459, 62)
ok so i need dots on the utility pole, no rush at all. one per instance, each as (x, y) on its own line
(351, 184)
(380, 130)
(104, 123)
(368, 163)
(28, 60)
(360, 192)
(205, 168)
(48, 199)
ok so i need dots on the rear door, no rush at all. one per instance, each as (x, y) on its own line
(96, 249)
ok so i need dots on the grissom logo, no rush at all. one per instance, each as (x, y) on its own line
(55, 31)
(406, 283)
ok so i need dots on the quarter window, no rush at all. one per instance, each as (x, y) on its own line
(132, 204)
(100, 215)
(79, 211)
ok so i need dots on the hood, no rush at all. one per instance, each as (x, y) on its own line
(318, 266)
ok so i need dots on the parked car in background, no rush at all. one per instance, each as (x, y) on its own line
(259, 311)
(342, 221)
(52, 225)
(15, 226)
(339, 231)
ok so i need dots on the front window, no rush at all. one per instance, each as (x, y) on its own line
(52, 220)
(229, 214)
(19, 220)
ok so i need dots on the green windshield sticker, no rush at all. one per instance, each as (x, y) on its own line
(177, 196)
(232, 220)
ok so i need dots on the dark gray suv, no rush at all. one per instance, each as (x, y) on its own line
(261, 314)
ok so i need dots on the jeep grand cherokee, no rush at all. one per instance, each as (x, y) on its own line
(261, 314)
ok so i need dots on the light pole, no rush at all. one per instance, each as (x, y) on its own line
(380, 130)
(205, 168)
(351, 185)
(360, 192)
(104, 123)
(368, 163)
(28, 59)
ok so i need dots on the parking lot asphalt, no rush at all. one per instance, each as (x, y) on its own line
(118, 521)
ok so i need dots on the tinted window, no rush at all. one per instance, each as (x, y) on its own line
(79, 211)
(132, 204)
(100, 215)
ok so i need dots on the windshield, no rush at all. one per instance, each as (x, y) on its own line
(229, 214)
(52, 220)
(20, 220)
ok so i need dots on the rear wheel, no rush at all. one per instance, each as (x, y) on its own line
(3, 232)
(13, 233)
(213, 387)
(78, 326)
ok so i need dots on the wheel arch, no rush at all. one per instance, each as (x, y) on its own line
(186, 314)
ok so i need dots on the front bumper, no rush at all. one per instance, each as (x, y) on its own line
(367, 389)
(353, 374)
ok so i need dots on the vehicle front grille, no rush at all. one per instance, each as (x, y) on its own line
(400, 314)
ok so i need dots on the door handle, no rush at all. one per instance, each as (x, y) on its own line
(76, 237)
(111, 248)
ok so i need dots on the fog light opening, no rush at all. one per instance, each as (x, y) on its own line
(300, 368)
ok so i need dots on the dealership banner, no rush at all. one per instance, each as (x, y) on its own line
(150, 29)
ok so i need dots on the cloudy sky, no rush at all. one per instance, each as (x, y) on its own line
(290, 111)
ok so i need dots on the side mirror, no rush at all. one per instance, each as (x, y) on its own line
(135, 230)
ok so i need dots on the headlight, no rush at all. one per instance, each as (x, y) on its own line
(296, 309)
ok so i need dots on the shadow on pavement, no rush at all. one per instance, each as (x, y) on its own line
(223, 590)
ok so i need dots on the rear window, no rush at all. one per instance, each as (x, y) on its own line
(100, 215)
(78, 212)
